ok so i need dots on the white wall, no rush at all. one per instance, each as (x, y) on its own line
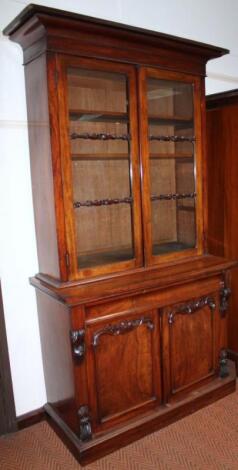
(213, 21)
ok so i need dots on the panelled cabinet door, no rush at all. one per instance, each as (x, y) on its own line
(99, 138)
(171, 145)
(123, 361)
(192, 341)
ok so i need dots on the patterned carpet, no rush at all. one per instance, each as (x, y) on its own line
(206, 440)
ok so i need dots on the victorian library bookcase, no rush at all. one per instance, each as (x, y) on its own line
(132, 307)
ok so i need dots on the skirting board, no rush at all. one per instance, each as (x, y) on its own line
(33, 417)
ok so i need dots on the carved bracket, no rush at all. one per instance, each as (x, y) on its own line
(85, 429)
(223, 370)
(121, 328)
(225, 293)
(78, 343)
(191, 307)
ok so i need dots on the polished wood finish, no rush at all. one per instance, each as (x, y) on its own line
(42, 131)
(222, 142)
(133, 343)
(127, 284)
(147, 423)
(225, 98)
(7, 406)
(93, 37)
(128, 346)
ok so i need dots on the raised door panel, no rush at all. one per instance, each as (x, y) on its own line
(191, 344)
(123, 364)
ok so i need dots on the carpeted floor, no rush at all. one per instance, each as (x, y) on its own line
(206, 440)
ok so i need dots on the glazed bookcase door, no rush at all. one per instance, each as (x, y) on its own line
(123, 364)
(171, 159)
(99, 158)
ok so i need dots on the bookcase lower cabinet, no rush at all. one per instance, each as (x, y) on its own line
(118, 369)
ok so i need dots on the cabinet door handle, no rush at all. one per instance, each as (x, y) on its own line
(121, 328)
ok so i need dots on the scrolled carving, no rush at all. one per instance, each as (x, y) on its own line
(225, 293)
(100, 136)
(102, 202)
(172, 196)
(121, 328)
(172, 138)
(78, 343)
(85, 428)
(191, 307)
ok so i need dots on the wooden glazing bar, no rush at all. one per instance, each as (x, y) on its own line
(100, 136)
(172, 196)
(172, 138)
(102, 202)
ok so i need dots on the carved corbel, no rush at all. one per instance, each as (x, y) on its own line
(85, 429)
(78, 343)
(225, 293)
(223, 363)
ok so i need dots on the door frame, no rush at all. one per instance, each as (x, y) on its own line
(8, 421)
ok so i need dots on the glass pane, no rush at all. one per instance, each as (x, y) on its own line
(171, 146)
(100, 154)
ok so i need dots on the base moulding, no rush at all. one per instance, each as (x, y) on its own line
(105, 443)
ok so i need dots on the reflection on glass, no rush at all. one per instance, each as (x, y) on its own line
(173, 193)
(100, 154)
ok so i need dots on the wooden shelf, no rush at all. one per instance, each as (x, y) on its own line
(186, 208)
(114, 256)
(169, 247)
(114, 116)
(99, 156)
(178, 121)
(105, 257)
(179, 155)
(122, 156)
(97, 116)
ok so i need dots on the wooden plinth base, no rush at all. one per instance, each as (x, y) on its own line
(105, 443)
